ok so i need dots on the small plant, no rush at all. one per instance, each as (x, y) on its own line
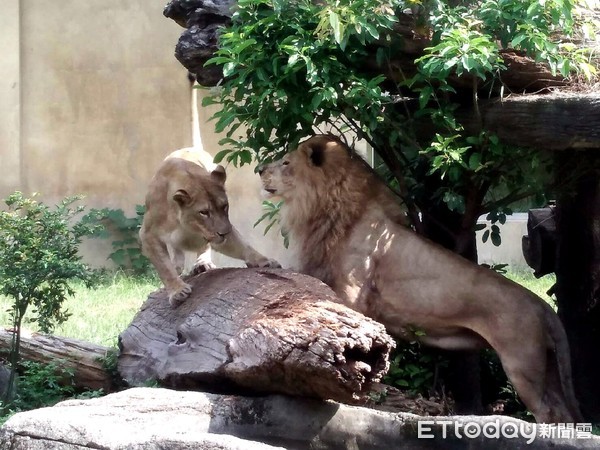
(41, 385)
(271, 215)
(127, 252)
(109, 364)
(414, 369)
(38, 260)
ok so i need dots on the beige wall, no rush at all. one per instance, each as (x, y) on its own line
(10, 83)
(102, 98)
(91, 101)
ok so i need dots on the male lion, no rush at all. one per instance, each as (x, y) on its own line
(186, 211)
(344, 223)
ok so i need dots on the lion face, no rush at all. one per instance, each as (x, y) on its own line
(204, 212)
(308, 165)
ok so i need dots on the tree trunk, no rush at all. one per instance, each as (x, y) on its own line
(262, 330)
(83, 358)
(578, 277)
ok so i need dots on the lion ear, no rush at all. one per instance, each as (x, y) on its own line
(218, 174)
(316, 153)
(182, 198)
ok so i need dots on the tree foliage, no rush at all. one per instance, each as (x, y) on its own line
(293, 67)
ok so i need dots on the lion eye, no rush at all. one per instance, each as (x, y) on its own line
(204, 212)
(285, 163)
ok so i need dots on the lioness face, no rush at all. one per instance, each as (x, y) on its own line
(204, 214)
(304, 166)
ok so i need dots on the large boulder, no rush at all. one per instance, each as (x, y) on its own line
(150, 418)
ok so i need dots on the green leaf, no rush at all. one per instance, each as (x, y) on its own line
(485, 236)
(496, 239)
(336, 26)
(372, 30)
(475, 161)
(220, 155)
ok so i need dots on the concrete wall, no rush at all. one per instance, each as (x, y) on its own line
(101, 98)
(510, 250)
(10, 79)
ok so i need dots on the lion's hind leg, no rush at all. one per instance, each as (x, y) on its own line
(525, 365)
(554, 396)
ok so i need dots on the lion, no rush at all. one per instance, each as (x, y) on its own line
(346, 227)
(186, 215)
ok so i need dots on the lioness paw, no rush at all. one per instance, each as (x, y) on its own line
(202, 267)
(264, 263)
(176, 298)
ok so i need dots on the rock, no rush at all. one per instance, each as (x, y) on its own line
(199, 42)
(5, 372)
(149, 419)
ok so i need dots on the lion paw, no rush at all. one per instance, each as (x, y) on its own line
(273, 264)
(177, 298)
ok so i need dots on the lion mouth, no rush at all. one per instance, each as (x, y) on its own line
(218, 239)
(270, 190)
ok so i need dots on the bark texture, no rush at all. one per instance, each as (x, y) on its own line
(264, 330)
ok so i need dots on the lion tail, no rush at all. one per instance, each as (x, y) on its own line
(563, 361)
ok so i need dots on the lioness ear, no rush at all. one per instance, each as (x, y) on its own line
(218, 174)
(182, 198)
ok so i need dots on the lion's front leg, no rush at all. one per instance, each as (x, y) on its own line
(164, 262)
(235, 247)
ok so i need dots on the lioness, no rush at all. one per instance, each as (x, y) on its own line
(344, 223)
(186, 211)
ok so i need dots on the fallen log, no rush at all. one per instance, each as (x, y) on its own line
(265, 330)
(84, 359)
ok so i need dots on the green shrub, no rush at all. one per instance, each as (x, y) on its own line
(41, 385)
(415, 368)
(38, 261)
(127, 252)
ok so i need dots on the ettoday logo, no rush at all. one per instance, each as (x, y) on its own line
(495, 429)
(429, 429)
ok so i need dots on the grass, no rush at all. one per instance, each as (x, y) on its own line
(539, 286)
(100, 314)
